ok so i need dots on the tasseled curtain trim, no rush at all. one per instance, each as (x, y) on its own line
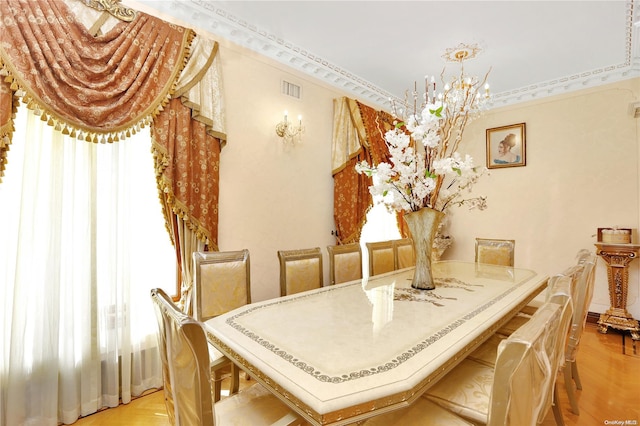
(187, 164)
(8, 109)
(98, 89)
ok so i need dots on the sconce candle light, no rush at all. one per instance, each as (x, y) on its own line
(287, 131)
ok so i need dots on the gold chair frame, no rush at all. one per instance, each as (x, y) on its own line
(342, 266)
(381, 257)
(295, 267)
(404, 253)
(215, 298)
(187, 379)
(238, 261)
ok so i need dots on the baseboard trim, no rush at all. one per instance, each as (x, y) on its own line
(593, 317)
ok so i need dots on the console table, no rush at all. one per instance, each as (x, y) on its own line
(618, 257)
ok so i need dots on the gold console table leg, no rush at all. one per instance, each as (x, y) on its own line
(618, 257)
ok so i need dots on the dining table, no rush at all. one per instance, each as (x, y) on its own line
(340, 354)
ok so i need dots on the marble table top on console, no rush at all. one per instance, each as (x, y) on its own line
(343, 353)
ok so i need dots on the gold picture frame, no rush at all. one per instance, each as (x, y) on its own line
(506, 146)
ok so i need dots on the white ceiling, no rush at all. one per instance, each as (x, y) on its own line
(377, 49)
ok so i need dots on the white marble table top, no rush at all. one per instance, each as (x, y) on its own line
(340, 353)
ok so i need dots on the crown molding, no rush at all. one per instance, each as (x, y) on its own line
(207, 16)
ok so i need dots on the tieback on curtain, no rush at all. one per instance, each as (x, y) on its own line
(97, 89)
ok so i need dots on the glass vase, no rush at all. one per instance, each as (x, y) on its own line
(423, 225)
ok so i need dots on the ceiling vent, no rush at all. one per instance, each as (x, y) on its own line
(291, 89)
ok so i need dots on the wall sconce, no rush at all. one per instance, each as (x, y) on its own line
(287, 131)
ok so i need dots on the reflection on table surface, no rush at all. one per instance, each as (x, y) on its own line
(363, 345)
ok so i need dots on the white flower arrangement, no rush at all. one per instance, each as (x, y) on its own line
(430, 173)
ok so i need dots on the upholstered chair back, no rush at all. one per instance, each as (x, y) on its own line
(523, 370)
(381, 257)
(495, 251)
(222, 282)
(345, 262)
(157, 297)
(405, 257)
(300, 270)
(561, 294)
(583, 296)
(186, 373)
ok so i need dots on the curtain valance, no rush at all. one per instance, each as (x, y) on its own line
(200, 87)
(93, 88)
(103, 83)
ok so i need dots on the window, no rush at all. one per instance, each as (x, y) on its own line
(381, 225)
(83, 242)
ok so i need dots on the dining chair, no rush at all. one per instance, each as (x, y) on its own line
(561, 289)
(221, 283)
(515, 390)
(187, 379)
(381, 257)
(404, 253)
(300, 270)
(495, 251)
(420, 413)
(574, 271)
(345, 262)
(582, 299)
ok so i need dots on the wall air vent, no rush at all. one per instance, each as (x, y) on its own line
(291, 89)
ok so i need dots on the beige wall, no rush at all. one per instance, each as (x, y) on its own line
(581, 174)
(273, 195)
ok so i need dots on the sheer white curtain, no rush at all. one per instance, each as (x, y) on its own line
(82, 242)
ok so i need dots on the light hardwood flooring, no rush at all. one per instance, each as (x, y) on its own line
(610, 379)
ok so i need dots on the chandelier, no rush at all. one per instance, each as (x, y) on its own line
(462, 96)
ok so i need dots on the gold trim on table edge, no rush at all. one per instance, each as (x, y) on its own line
(381, 405)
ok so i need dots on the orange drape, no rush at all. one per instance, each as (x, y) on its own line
(188, 164)
(376, 124)
(102, 88)
(98, 86)
(352, 199)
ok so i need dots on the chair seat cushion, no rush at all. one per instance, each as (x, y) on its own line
(465, 391)
(533, 306)
(419, 413)
(253, 406)
(216, 358)
(514, 323)
(487, 352)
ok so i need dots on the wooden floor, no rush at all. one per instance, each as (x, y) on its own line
(609, 370)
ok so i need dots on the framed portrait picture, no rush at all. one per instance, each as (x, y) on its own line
(506, 146)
